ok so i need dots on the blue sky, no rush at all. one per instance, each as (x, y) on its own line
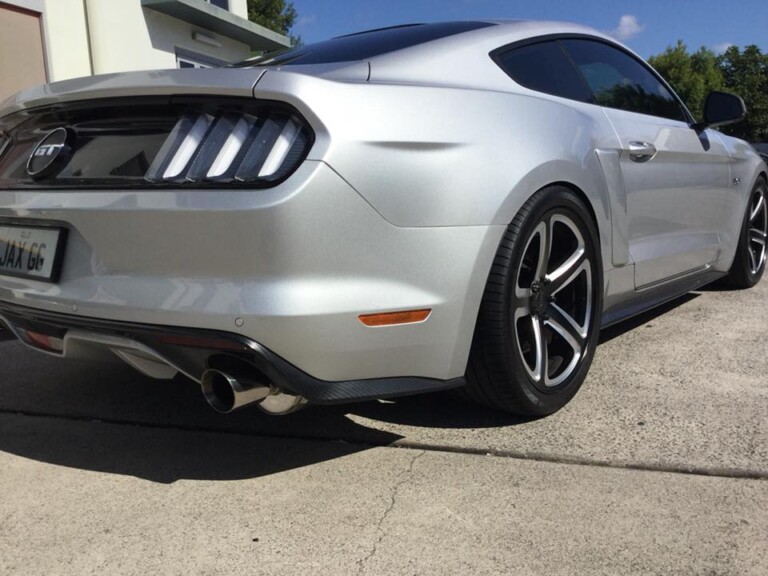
(647, 26)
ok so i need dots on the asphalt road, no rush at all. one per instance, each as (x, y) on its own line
(658, 466)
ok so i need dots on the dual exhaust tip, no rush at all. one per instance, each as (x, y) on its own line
(226, 392)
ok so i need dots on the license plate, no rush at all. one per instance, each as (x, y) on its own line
(29, 252)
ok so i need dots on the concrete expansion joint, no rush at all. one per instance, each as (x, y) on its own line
(567, 460)
(406, 477)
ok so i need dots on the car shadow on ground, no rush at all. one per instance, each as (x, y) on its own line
(108, 418)
(438, 410)
(161, 455)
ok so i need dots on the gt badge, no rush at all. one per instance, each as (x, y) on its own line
(51, 154)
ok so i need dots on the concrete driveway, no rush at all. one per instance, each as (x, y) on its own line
(659, 466)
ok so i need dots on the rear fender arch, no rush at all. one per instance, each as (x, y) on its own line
(586, 183)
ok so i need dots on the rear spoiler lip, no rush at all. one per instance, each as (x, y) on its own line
(213, 81)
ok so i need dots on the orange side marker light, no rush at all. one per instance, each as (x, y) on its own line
(394, 318)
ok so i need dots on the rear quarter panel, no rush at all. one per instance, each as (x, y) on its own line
(447, 156)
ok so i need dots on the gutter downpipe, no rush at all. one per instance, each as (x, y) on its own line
(88, 35)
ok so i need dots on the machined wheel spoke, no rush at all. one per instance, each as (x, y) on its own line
(522, 299)
(540, 343)
(565, 331)
(530, 335)
(753, 261)
(568, 271)
(544, 231)
(757, 209)
(522, 293)
(758, 236)
(565, 325)
(758, 233)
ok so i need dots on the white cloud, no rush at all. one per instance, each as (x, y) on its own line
(721, 48)
(306, 21)
(628, 27)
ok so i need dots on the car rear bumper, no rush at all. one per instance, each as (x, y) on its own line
(165, 351)
(290, 268)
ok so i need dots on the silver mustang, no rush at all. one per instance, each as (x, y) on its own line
(398, 211)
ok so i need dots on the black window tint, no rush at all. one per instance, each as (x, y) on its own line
(619, 81)
(545, 67)
(364, 45)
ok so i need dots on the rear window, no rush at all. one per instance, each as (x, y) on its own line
(363, 45)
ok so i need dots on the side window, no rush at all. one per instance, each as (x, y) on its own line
(189, 59)
(544, 67)
(189, 63)
(619, 81)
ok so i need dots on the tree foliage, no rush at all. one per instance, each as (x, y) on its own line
(277, 15)
(746, 74)
(692, 76)
(743, 72)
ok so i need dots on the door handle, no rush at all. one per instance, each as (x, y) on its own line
(641, 151)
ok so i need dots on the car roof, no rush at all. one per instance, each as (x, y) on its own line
(364, 45)
(460, 59)
(499, 33)
(407, 40)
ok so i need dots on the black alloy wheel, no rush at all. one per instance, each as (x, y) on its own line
(539, 321)
(749, 263)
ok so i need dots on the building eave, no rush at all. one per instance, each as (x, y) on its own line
(210, 17)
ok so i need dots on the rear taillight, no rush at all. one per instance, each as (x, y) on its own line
(185, 142)
(231, 147)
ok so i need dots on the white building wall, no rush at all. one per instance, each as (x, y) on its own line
(127, 37)
(84, 37)
(66, 39)
(239, 8)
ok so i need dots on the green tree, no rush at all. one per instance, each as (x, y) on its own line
(277, 15)
(743, 72)
(692, 76)
(746, 74)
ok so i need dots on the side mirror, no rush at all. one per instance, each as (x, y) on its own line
(722, 108)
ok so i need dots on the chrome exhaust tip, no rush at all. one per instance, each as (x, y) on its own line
(282, 404)
(226, 393)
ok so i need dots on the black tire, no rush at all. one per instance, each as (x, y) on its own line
(528, 294)
(749, 263)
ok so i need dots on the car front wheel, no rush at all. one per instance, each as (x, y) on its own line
(749, 262)
(539, 320)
